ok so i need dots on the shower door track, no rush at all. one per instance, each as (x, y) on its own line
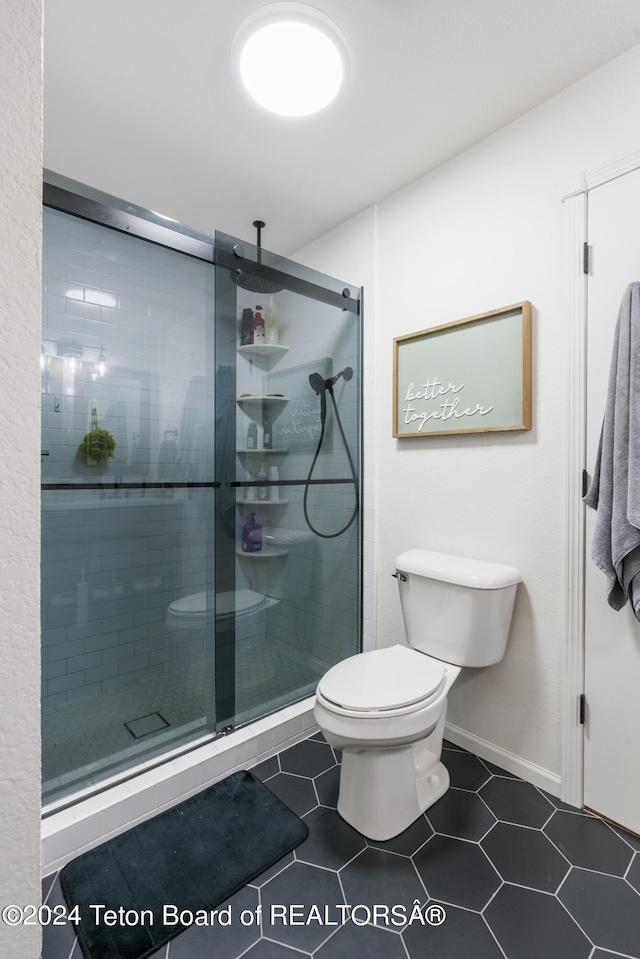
(97, 207)
(98, 487)
(297, 482)
(101, 487)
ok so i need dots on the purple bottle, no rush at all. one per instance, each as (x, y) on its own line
(252, 536)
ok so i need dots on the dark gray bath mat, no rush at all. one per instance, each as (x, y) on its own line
(191, 857)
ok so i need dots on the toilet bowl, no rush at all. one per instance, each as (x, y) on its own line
(385, 709)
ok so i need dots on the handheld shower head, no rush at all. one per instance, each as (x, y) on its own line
(320, 386)
(317, 383)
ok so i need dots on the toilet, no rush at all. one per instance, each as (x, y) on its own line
(385, 709)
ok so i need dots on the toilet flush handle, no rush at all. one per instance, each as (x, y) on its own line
(399, 576)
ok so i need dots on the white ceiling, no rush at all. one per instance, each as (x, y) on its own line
(140, 101)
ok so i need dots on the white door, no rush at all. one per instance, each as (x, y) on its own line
(612, 640)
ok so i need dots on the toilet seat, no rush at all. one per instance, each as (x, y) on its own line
(389, 681)
(230, 603)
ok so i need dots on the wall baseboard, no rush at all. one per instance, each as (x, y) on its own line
(530, 772)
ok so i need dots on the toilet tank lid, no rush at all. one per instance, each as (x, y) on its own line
(475, 573)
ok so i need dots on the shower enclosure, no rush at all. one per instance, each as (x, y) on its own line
(208, 571)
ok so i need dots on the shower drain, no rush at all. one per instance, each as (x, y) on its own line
(145, 725)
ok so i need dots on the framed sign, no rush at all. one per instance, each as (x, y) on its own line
(469, 376)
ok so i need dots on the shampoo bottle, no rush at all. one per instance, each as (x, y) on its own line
(271, 322)
(262, 482)
(267, 438)
(252, 536)
(252, 436)
(246, 329)
(258, 326)
(274, 491)
(248, 490)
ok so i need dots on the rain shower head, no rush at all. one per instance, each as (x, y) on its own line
(253, 282)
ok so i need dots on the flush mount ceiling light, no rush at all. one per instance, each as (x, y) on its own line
(290, 58)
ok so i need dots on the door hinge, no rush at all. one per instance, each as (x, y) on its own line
(582, 708)
(585, 483)
(585, 257)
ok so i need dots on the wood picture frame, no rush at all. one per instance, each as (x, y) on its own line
(469, 376)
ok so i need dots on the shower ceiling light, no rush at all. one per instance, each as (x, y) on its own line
(290, 58)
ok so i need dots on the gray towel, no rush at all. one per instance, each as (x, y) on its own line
(615, 488)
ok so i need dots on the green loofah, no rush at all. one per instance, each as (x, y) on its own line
(98, 445)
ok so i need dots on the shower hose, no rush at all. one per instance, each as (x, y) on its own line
(353, 473)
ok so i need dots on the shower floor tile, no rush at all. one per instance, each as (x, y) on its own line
(538, 900)
(85, 741)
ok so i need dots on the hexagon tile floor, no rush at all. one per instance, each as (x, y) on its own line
(499, 868)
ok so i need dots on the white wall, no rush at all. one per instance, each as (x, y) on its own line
(20, 216)
(484, 231)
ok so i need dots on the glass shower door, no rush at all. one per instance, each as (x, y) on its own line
(288, 459)
(201, 535)
(128, 641)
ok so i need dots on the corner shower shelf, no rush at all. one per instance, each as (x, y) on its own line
(276, 449)
(267, 552)
(260, 398)
(263, 349)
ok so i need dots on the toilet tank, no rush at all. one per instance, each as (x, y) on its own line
(456, 609)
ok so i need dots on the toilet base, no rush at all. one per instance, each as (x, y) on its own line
(382, 791)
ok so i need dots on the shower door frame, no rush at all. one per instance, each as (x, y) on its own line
(68, 196)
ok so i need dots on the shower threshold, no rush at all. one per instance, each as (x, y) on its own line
(71, 830)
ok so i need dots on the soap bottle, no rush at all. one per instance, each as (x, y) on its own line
(248, 490)
(246, 329)
(258, 326)
(252, 536)
(271, 322)
(274, 491)
(262, 482)
(252, 436)
(267, 437)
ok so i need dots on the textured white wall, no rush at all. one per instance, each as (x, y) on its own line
(484, 231)
(20, 218)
